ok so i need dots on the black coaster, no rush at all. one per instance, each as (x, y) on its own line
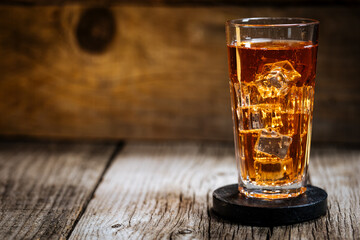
(228, 203)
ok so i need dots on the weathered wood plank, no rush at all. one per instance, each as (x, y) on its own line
(109, 73)
(337, 171)
(164, 191)
(44, 187)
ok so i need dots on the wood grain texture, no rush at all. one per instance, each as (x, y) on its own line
(160, 78)
(180, 2)
(336, 171)
(44, 187)
(164, 191)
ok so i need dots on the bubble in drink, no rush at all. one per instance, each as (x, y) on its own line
(273, 143)
(276, 78)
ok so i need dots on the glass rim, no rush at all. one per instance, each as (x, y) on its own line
(298, 22)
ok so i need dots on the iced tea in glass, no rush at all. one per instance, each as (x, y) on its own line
(272, 65)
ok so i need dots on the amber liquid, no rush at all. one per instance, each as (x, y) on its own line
(272, 90)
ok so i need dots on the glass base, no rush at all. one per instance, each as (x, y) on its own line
(272, 192)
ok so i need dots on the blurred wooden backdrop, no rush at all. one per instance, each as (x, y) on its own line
(155, 69)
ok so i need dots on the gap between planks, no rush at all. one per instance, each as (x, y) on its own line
(45, 186)
(117, 149)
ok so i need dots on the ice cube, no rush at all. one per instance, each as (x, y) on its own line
(250, 118)
(273, 143)
(271, 114)
(250, 95)
(298, 100)
(261, 116)
(256, 119)
(275, 78)
(273, 172)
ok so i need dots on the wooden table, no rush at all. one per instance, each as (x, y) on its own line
(152, 190)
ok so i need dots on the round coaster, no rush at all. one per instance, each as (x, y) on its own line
(228, 203)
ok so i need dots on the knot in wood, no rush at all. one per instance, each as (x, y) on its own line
(116, 225)
(95, 30)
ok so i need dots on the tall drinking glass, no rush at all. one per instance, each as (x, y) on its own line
(272, 63)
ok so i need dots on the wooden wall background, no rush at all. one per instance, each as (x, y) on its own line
(156, 70)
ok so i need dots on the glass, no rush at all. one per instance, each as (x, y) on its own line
(272, 63)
